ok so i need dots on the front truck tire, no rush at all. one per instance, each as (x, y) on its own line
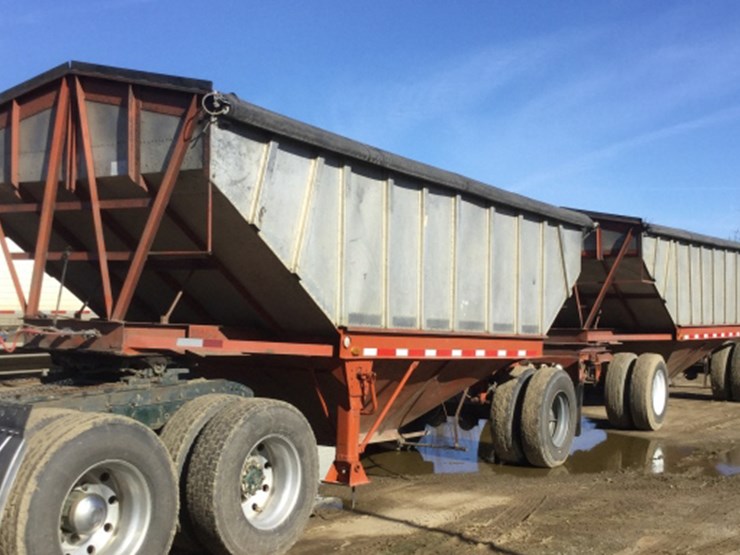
(252, 479)
(549, 417)
(617, 390)
(91, 483)
(649, 392)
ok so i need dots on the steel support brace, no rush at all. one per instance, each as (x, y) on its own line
(155, 216)
(347, 469)
(49, 199)
(94, 198)
(609, 280)
(11, 268)
(388, 405)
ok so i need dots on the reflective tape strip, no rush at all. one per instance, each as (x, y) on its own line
(372, 352)
(196, 343)
(713, 335)
(190, 342)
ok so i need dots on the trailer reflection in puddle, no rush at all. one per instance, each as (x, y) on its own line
(448, 448)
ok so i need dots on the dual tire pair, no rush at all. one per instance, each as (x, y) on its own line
(533, 417)
(244, 470)
(636, 391)
(725, 373)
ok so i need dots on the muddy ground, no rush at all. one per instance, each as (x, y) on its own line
(672, 491)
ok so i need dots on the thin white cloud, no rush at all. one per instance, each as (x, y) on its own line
(592, 158)
(373, 110)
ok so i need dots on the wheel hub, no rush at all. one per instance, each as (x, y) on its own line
(85, 513)
(253, 476)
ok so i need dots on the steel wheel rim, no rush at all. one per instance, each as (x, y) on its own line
(559, 419)
(270, 482)
(660, 392)
(107, 511)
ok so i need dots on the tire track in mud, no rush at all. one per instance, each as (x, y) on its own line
(684, 539)
(517, 513)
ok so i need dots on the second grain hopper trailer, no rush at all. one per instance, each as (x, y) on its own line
(650, 302)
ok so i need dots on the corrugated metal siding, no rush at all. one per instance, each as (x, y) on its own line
(700, 284)
(375, 248)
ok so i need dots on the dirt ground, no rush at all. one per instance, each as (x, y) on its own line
(670, 491)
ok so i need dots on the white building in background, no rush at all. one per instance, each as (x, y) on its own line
(10, 307)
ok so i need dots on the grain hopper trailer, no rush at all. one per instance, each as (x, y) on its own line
(259, 283)
(651, 301)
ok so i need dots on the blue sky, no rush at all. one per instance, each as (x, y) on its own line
(630, 107)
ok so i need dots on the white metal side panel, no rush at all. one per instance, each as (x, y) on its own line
(682, 273)
(363, 250)
(318, 259)
(236, 167)
(282, 198)
(530, 276)
(670, 283)
(377, 249)
(471, 263)
(695, 274)
(404, 255)
(556, 286)
(698, 283)
(438, 259)
(719, 295)
(707, 285)
(504, 271)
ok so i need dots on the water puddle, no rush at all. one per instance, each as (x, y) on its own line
(447, 448)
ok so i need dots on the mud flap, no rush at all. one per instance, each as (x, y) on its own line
(13, 420)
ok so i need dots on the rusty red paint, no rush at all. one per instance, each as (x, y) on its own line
(155, 216)
(50, 192)
(94, 198)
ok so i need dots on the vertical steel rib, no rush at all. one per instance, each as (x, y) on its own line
(49, 199)
(94, 198)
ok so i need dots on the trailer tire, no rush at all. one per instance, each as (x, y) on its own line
(110, 489)
(649, 392)
(506, 414)
(178, 435)
(549, 417)
(617, 390)
(733, 371)
(719, 373)
(253, 478)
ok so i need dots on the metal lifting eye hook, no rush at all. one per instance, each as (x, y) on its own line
(215, 104)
